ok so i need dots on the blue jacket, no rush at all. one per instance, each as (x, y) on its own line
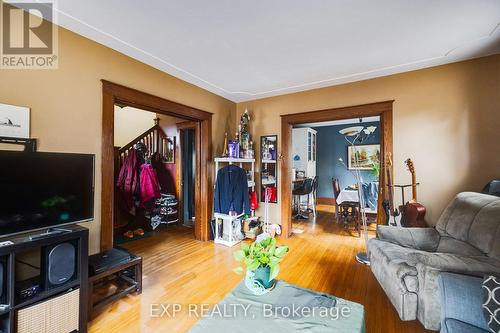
(231, 190)
(370, 192)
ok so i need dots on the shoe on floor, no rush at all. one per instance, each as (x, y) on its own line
(139, 232)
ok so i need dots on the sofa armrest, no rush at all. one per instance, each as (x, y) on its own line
(461, 299)
(447, 262)
(425, 239)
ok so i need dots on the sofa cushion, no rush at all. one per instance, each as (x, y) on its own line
(447, 262)
(473, 218)
(457, 326)
(461, 299)
(426, 239)
(491, 302)
(452, 245)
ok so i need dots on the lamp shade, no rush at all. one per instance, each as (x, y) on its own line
(351, 131)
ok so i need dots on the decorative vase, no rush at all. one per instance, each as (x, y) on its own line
(262, 275)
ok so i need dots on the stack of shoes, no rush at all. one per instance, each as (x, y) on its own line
(165, 210)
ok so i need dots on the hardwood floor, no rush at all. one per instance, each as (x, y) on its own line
(179, 269)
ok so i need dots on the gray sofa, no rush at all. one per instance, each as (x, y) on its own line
(407, 261)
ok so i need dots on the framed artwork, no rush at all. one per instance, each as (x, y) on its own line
(168, 148)
(14, 121)
(367, 155)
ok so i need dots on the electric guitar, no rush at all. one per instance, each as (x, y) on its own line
(413, 213)
(388, 203)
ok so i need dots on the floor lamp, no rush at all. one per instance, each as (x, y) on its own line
(353, 135)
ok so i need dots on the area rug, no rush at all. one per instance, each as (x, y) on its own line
(287, 308)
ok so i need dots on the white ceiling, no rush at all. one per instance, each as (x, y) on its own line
(244, 50)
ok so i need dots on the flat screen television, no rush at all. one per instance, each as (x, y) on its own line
(44, 190)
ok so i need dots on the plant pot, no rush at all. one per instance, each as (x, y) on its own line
(262, 275)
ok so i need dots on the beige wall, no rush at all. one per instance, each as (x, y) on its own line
(66, 104)
(130, 123)
(446, 118)
(169, 125)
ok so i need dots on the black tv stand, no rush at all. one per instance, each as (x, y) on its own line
(15, 306)
(48, 233)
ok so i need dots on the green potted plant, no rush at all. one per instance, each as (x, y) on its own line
(375, 170)
(262, 258)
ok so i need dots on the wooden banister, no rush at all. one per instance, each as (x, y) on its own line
(154, 139)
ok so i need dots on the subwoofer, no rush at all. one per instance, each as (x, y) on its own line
(58, 264)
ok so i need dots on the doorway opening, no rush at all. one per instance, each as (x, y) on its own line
(326, 163)
(187, 171)
(113, 95)
(145, 145)
(383, 110)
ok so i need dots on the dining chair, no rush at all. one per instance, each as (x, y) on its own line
(347, 212)
(314, 194)
(305, 189)
(336, 193)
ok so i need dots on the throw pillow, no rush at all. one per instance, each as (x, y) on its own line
(491, 302)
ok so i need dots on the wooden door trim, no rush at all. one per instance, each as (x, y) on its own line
(112, 94)
(180, 190)
(383, 109)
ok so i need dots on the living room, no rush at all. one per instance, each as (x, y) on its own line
(243, 75)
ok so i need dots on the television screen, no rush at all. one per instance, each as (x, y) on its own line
(42, 190)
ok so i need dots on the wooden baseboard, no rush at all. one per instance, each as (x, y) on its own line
(326, 201)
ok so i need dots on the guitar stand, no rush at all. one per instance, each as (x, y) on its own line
(402, 188)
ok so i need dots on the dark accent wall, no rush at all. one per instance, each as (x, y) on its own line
(332, 145)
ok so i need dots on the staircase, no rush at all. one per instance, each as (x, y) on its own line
(155, 140)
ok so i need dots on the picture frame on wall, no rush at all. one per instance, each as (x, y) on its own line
(169, 149)
(368, 155)
(14, 121)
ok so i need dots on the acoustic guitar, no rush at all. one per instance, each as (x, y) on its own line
(388, 203)
(413, 213)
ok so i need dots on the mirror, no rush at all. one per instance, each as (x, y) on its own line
(269, 168)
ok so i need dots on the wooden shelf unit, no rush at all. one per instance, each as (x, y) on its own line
(19, 244)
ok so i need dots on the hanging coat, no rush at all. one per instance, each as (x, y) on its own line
(149, 185)
(231, 190)
(127, 180)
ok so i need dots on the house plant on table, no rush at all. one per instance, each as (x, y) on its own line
(262, 260)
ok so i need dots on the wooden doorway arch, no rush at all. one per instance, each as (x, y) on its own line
(382, 109)
(112, 94)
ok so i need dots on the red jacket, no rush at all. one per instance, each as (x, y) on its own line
(149, 184)
(127, 179)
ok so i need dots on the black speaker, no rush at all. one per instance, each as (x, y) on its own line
(58, 264)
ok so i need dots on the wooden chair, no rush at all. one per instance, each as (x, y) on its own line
(347, 213)
(336, 193)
